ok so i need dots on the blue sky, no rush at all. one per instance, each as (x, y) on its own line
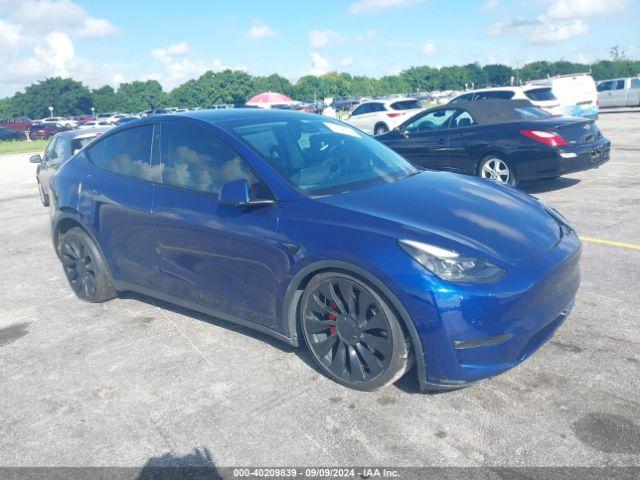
(101, 42)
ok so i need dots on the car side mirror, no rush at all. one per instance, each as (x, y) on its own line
(36, 158)
(236, 194)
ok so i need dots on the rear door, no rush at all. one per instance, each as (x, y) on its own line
(220, 257)
(115, 199)
(424, 140)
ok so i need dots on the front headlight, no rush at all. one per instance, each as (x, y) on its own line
(450, 265)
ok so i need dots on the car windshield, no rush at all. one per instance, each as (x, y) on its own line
(527, 113)
(321, 156)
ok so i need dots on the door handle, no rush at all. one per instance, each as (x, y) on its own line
(92, 192)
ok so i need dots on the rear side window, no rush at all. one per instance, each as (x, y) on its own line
(195, 159)
(463, 98)
(494, 95)
(406, 105)
(126, 153)
(635, 83)
(540, 95)
(619, 85)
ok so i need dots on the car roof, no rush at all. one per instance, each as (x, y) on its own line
(75, 134)
(222, 115)
(486, 112)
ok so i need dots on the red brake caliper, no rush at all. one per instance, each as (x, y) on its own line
(332, 317)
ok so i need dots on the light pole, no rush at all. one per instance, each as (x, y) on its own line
(50, 111)
(93, 111)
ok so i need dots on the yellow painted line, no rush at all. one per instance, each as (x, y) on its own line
(610, 242)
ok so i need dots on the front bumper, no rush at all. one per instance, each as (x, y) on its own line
(497, 325)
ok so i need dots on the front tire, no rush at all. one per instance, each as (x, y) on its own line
(44, 198)
(84, 267)
(498, 169)
(352, 332)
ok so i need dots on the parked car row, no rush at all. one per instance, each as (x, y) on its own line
(304, 227)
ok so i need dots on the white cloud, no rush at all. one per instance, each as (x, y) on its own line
(572, 9)
(97, 27)
(45, 16)
(346, 62)
(563, 19)
(37, 38)
(375, 6)
(178, 67)
(490, 5)
(541, 30)
(366, 36)
(324, 38)
(320, 65)
(556, 32)
(259, 30)
(428, 49)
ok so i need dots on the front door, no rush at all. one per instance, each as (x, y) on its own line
(424, 141)
(220, 257)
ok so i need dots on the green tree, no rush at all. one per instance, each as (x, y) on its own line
(137, 96)
(498, 74)
(272, 83)
(6, 108)
(105, 99)
(228, 86)
(66, 96)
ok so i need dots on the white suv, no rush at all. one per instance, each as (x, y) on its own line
(380, 116)
(539, 95)
(61, 120)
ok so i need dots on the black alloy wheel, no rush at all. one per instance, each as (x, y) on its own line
(84, 267)
(352, 333)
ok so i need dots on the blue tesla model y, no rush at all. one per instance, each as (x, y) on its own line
(303, 227)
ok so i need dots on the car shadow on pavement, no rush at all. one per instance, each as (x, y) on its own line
(197, 465)
(234, 327)
(548, 184)
(408, 383)
(302, 352)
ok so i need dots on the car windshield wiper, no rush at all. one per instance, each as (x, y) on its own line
(411, 174)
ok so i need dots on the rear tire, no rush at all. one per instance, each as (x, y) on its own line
(380, 129)
(494, 167)
(352, 332)
(84, 267)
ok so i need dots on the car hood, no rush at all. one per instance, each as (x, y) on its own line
(451, 209)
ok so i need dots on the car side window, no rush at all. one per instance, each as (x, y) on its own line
(619, 85)
(49, 151)
(463, 98)
(494, 94)
(437, 120)
(378, 107)
(605, 86)
(127, 152)
(195, 159)
(58, 154)
(635, 83)
(364, 108)
(462, 119)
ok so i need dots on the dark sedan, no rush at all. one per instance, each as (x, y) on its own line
(504, 140)
(43, 131)
(60, 148)
(10, 134)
